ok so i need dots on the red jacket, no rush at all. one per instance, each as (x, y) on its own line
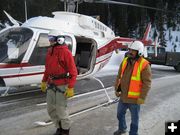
(59, 60)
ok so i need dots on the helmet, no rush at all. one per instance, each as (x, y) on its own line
(61, 40)
(56, 37)
(137, 45)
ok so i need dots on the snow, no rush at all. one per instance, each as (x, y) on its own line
(113, 65)
(173, 39)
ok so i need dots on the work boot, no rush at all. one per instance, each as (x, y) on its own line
(118, 132)
(58, 131)
(65, 131)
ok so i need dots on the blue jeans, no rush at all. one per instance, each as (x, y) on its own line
(121, 112)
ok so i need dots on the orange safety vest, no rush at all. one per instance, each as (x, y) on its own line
(135, 86)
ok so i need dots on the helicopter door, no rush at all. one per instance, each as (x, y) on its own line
(31, 74)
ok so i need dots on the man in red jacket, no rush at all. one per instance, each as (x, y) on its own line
(59, 80)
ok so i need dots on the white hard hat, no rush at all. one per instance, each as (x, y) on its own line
(57, 37)
(137, 45)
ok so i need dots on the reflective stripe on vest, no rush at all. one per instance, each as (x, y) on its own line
(135, 82)
(124, 64)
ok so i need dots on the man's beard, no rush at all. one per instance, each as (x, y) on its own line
(132, 57)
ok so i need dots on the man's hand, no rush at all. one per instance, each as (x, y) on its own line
(140, 101)
(118, 94)
(69, 92)
(43, 86)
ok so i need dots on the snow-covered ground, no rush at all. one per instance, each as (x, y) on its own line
(112, 66)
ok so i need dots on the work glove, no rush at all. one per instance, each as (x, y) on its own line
(140, 101)
(43, 86)
(69, 92)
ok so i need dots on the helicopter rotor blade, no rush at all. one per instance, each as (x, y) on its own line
(128, 4)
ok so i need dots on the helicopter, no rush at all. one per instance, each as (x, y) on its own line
(23, 47)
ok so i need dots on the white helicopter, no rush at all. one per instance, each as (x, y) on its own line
(23, 48)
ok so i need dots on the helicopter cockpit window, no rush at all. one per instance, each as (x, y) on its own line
(39, 53)
(43, 40)
(13, 44)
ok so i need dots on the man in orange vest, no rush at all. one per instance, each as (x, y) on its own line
(132, 85)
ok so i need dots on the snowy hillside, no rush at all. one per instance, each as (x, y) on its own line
(172, 37)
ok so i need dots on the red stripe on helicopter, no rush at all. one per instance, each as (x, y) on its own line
(9, 65)
(113, 45)
(21, 75)
(117, 43)
(104, 60)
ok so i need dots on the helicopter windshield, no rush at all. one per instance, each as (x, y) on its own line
(13, 44)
